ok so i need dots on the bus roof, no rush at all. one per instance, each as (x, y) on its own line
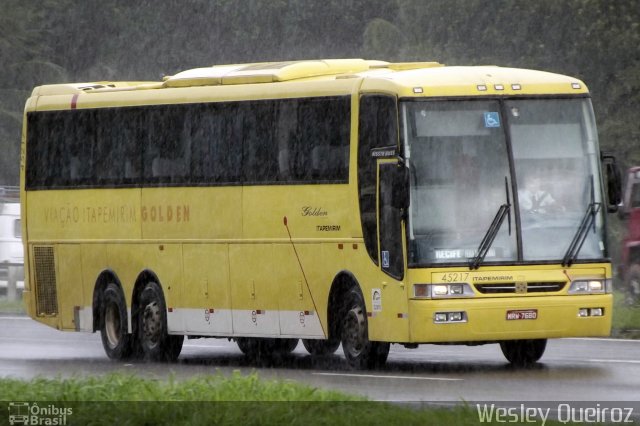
(408, 79)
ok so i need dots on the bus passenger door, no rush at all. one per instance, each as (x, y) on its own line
(388, 320)
(392, 203)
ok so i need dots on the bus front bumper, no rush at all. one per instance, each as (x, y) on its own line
(505, 318)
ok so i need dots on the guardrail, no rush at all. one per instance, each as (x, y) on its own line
(9, 194)
(15, 271)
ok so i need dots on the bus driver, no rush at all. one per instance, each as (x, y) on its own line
(535, 199)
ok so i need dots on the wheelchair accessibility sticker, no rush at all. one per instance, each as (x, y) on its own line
(491, 119)
(385, 259)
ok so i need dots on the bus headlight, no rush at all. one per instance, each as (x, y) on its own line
(438, 291)
(590, 287)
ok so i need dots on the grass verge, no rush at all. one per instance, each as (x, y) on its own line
(209, 400)
(626, 318)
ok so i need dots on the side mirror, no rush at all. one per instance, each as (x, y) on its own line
(613, 181)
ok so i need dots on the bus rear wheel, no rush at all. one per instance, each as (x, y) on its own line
(321, 347)
(359, 351)
(116, 340)
(156, 343)
(261, 348)
(523, 353)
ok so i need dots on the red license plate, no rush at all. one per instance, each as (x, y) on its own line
(528, 314)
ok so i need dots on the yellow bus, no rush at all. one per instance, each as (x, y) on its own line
(349, 201)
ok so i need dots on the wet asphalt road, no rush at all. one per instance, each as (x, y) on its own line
(570, 370)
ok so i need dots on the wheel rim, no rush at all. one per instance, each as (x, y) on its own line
(151, 324)
(112, 325)
(355, 329)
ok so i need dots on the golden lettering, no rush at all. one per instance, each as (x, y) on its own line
(165, 213)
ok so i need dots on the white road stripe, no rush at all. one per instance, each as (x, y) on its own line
(37, 340)
(375, 376)
(601, 339)
(188, 345)
(616, 361)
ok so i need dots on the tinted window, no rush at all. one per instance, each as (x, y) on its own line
(256, 142)
(216, 142)
(164, 135)
(378, 127)
(115, 160)
(259, 150)
(308, 143)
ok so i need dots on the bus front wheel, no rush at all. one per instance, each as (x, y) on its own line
(117, 342)
(359, 351)
(522, 353)
(156, 343)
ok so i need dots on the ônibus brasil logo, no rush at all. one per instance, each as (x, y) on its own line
(25, 413)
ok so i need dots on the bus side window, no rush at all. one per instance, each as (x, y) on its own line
(319, 160)
(259, 151)
(284, 164)
(165, 146)
(287, 139)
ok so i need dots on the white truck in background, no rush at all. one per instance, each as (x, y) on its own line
(11, 248)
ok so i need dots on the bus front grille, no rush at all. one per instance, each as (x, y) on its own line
(520, 288)
(45, 281)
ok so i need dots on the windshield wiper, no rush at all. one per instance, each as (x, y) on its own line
(485, 244)
(588, 220)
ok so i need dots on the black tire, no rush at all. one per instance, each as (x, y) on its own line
(116, 340)
(155, 342)
(359, 351)
(523, 353)
(284, 346)
(246, 345)
(321, 347)
(265, 348)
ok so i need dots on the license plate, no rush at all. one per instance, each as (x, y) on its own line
(529, 314)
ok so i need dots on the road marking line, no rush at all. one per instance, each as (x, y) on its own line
(187, 345)
(601, 339)
(616, 361)
(375, 376)
(37, 340)
(15, 318)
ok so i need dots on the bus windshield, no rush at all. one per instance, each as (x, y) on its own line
(462, 175)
